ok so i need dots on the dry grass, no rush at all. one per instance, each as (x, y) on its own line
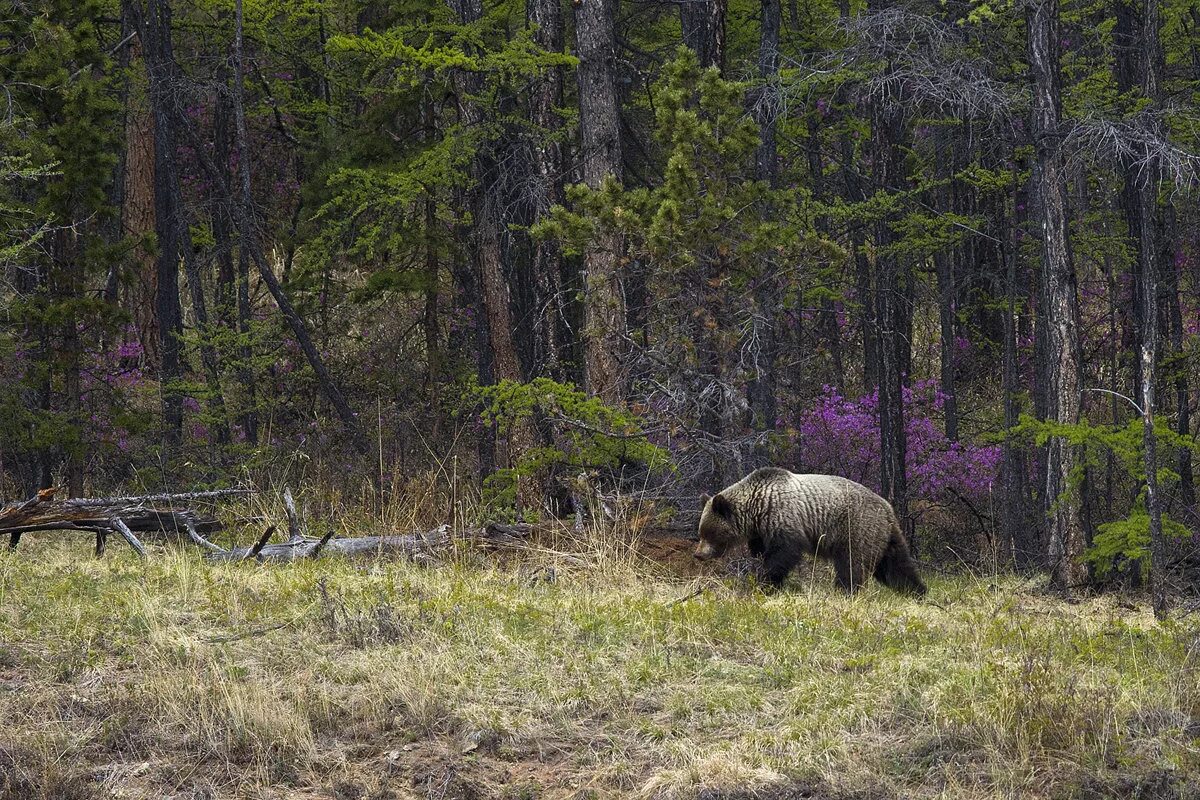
(571, 671)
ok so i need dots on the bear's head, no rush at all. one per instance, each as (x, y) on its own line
(717, 531)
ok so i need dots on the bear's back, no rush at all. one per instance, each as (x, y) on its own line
(810, 500)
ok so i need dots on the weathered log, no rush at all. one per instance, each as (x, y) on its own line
(167, 515)
(413, 544)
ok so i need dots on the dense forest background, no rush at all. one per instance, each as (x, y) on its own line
(539, 252)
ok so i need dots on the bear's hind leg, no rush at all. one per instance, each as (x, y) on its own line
(850, 576)
(780, 559)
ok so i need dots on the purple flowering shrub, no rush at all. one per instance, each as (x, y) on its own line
(839, 435)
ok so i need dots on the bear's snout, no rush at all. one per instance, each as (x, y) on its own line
(704, 551)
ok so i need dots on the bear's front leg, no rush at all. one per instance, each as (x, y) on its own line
(780, 558)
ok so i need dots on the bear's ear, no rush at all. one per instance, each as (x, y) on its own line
(704, 498)
(722, 506)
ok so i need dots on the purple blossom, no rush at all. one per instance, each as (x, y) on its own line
(841, 436)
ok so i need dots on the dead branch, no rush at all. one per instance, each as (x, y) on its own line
(295, 531)
(167, 516)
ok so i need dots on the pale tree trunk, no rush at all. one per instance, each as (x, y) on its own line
(250, 248)
(599, 124)
(137, 207)
(703, 26)
(546, 18)
(1058, 319)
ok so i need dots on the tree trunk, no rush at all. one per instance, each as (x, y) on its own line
(944, 266)
(763, 389)
(599, 124)
(163, 71)
(233, 279)
(1058, 323)
(1170, 274)
(137, 208)
(703, 26)
(864, 296)
(70, 275)
(168, 213)
(1148, 267)
(1014, 477)
(887, 125)
(546, 18)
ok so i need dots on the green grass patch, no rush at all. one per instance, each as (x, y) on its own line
(364, 679)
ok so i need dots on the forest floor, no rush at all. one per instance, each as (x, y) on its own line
(573, 669)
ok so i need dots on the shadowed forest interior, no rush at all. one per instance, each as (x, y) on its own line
(499, 259)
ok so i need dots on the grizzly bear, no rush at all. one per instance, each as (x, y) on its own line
(781, 516)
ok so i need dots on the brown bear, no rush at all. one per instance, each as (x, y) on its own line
(781, 516)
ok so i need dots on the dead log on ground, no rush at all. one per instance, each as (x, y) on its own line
(169, 516)
(410, 545)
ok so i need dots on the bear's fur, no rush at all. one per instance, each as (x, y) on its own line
(781, 516)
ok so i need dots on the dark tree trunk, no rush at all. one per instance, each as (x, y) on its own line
(1149, 269)
(164, 73)
(891, 304)
(1170, 275)
(70, 274)
(703, 26)
(864, 296)
(1014, 477)
(890, 301)
(599, 124)
(1058, 322)
(168, 212)
(944, 265)
(763, 389)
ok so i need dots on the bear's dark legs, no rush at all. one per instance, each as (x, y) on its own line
(850, 577)
(779, 560)
(755, 546)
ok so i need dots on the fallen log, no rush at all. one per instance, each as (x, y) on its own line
(410, 545)
(167, 515)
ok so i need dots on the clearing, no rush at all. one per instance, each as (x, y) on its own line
(573, 669)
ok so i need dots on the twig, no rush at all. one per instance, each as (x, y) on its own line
(320, 545)
(690, 595)
(248, 634)
(262, 542)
